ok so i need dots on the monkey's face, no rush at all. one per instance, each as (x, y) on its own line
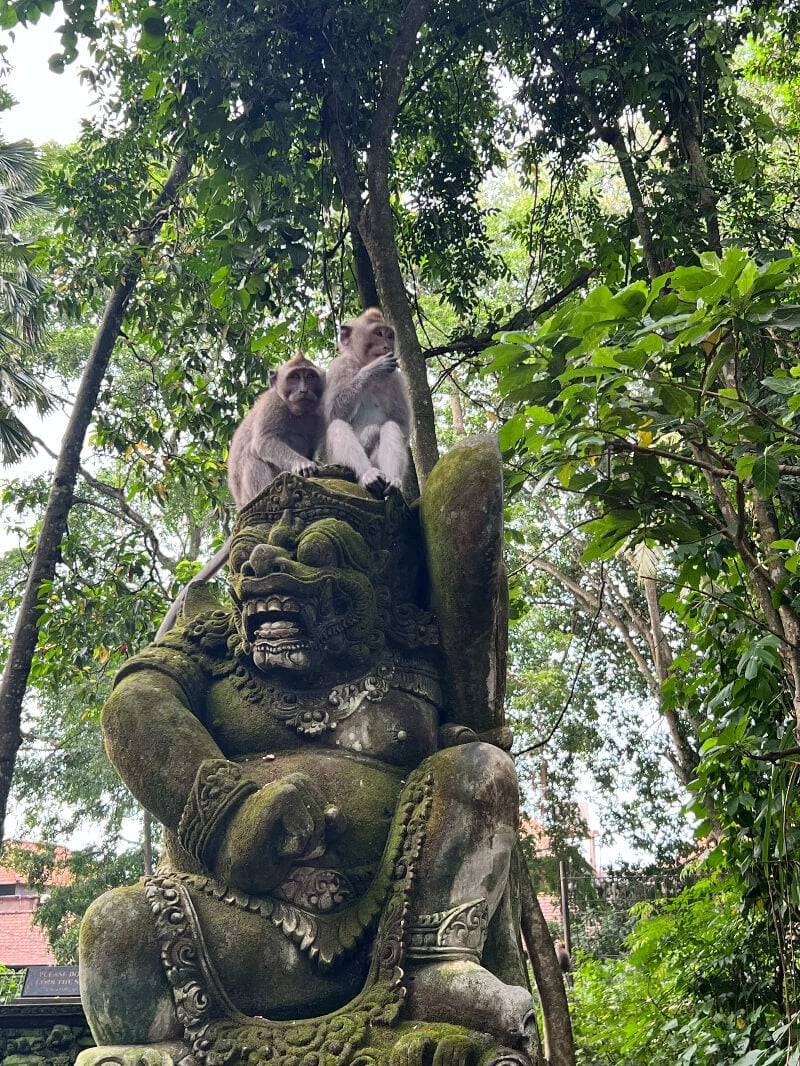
(301, 388)
(367, 337)
(305, 598)
(378, 341)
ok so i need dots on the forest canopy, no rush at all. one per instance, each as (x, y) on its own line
(582, 220)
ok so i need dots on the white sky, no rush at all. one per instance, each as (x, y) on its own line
(50, 106)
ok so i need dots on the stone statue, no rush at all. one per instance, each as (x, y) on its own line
(339, 816)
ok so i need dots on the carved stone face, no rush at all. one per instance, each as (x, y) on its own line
(308, 599)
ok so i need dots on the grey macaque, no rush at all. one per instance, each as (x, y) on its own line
(366, 405)
(281, 431)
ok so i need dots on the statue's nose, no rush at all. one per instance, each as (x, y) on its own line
(264, 559)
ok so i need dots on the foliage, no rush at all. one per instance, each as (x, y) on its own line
(11, 982)
(20, 286)
(699, 985)
(68, 882)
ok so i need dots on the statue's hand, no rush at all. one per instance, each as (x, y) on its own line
(282, 823)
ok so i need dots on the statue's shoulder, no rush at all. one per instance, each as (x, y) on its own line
(193, 655)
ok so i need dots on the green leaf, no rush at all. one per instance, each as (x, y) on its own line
(744, 466)
(785, 317)
(511, 432)
(692, 278)
(154, 26)
(218, 297)
(783, 386)
(505, 355)
(540, 415)
(765, 474)
(744, 166)
(676, 401)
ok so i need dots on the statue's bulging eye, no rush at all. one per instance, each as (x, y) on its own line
(241, 550)
(318, 550)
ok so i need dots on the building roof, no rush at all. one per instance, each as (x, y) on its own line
(21, 942)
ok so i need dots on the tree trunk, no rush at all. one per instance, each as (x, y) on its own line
(375, 226)
(457, 413)
(685, 763)
(687, 122)
(333, 132)
(612, 136)
(147, 842)
(559, 1046)
(46, 556)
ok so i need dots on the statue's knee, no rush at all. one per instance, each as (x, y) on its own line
(123, 986)
(95, 927)
(480, 775)
(116, 925)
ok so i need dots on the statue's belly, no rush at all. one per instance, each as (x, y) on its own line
(363, 790)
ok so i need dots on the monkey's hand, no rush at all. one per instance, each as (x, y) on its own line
(304, 467)
(283, 823)
(384, 364)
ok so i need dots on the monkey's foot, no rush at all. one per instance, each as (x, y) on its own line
(168, 1053)
(305, 469)
(375, 480)
(459, 990)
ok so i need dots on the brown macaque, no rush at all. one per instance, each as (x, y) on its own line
(366, 405)
(564, 960)
(281, 431)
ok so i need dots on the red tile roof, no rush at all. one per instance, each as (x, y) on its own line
(21, 942)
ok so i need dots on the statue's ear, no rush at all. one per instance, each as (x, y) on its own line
(273, 377)
(461, 510)
(198, 598)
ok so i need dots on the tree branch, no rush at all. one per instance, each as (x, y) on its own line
(54, 522)
(521, 319)
(133, 516)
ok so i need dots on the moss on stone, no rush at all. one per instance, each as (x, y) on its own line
(462, 523)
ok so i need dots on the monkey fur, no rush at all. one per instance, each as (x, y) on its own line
(281, 431)
(367, 406)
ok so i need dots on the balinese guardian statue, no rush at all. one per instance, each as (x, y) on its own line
(325, 757)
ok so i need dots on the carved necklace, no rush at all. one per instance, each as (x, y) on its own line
(313, 713)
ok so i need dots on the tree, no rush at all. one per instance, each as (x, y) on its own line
(343, 155)
(19, 286)
(670, 408)
(43, 563)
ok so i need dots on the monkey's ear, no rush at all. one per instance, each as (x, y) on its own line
(345, 333)
(273, 377)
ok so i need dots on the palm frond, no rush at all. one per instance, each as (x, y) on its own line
(19, 166)
(16, 440)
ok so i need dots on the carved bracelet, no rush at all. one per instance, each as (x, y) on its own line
(218, 787)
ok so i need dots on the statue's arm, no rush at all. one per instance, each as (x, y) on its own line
(156, 742)
(244, 835)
